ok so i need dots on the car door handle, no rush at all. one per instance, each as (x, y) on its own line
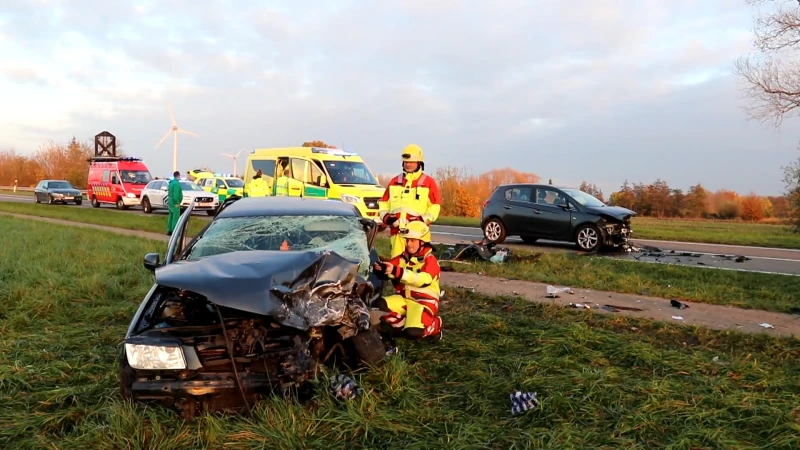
(506, 207)
(536, 211)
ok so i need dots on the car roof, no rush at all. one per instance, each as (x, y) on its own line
(287, 206)
(541, 185)
(65, 181)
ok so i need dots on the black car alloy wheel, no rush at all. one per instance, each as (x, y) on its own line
(494, 231)
(588, 238)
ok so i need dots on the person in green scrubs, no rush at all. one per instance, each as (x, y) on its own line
(174, 198)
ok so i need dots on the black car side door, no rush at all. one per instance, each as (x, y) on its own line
(179, 239)
(552, 220)
(517, 211)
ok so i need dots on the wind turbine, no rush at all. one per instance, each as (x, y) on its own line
(174, 130)
(234, 159)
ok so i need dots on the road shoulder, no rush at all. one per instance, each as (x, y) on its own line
(698, 314)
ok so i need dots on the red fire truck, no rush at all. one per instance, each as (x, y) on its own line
(113, 179)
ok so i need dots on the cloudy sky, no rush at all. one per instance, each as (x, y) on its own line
(601, 90)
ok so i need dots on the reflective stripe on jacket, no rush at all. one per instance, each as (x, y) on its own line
(417, 277)
(282, 186)
(409, 197)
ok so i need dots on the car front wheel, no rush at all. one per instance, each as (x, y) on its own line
(147, 208)
(494, 231)
(588, 238)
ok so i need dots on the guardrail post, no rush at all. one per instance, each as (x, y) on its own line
(15, 185)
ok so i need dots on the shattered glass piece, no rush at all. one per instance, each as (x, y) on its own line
(299, 289)
(677, 317)
(343, 235)
(522, 402)
(766, 325)
(342, 387)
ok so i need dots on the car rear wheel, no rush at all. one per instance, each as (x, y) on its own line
(146, 206)
(494, 231)
(588, 238)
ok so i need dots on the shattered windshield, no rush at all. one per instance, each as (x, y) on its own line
(343, 235)
(583, 198)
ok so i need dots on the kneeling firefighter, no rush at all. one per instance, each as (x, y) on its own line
(413, 312)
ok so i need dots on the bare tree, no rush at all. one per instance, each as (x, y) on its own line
(771, 78)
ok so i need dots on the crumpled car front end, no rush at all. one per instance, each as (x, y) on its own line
(616, 231)
(223, 331)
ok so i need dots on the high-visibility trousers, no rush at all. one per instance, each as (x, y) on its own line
(408, 313)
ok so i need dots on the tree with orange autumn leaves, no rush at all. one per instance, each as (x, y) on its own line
(51, 161)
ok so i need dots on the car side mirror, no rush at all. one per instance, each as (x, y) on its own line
(152, 261)
(163, 188)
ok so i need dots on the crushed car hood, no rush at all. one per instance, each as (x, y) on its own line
(299, 289)
(616, 212)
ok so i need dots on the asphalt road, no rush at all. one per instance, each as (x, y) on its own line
(759, 259)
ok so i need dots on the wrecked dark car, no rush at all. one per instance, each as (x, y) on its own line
(539, 211)
(266, 294)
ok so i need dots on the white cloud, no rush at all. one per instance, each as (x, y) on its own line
(481, 84)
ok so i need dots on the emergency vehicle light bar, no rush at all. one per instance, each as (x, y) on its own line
(333, 151)
(113, 158)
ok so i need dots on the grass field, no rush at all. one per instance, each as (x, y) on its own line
(154, 223)
(604, 381)
(706, 231)
(766, 292)
(23, 193)
(743, 289)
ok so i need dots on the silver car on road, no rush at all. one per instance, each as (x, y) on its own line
(154, 196)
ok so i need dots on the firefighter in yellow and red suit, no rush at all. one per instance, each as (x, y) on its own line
(413, 312)
(411, 196)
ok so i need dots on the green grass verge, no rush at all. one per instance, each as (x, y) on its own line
(722, 287)
(768, 292)
(701, 231)
(23, 193)
(153, 223)
(604, 381)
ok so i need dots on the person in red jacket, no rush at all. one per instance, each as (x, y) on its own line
(411, 196)
(413, 311)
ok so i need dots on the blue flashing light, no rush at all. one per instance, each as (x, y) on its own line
(333, 151)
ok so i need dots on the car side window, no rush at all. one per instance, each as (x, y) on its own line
(221, 184)
(518, 194)
(106, 175)
(550, 197)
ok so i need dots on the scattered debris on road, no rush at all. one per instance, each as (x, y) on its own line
(677, 317)
(766, 325)
(677, 304)
(552, 291)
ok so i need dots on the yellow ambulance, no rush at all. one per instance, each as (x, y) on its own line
(325, 173)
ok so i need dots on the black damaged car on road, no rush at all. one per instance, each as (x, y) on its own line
(539, 211)
(268, 292)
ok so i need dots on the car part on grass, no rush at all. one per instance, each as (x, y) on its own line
(474, 251)
(766, 325)
(522, 402)
(342, 387)
(224, 331)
